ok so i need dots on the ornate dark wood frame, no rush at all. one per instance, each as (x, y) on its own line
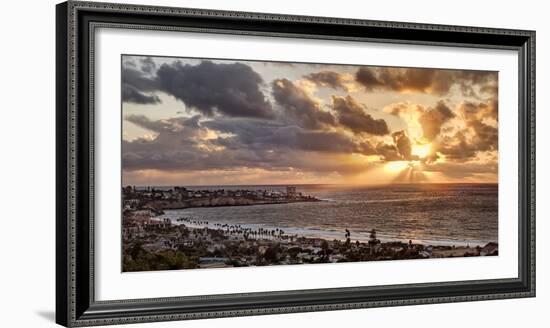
(76, 23)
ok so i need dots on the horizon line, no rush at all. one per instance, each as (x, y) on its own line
(314, 184)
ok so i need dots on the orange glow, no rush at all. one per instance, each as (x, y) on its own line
(421, 151)
(396, 166)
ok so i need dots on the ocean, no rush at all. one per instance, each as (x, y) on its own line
(432, 214)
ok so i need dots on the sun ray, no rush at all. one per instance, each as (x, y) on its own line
(421, 150)
(396, 166)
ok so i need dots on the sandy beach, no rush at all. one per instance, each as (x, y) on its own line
(158, 244)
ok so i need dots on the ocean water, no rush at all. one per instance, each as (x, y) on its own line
(435, 214)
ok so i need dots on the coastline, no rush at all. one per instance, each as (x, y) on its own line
(159, 244)
(362, 236)
(223, 202)
(180, 228)
(183, 198)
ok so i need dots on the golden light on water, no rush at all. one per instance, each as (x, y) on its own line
(421, 151)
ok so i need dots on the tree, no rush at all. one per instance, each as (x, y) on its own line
(325, 247)
(271, 254)
(373, 235)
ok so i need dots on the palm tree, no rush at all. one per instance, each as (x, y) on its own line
(373, 235)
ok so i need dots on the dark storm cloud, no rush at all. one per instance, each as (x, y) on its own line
(137, 87)
(230, 89)
(173, 147)
(178, 124)
(352, 115)
(249, 133)
(267, 135)
(209, 88)
(138, 79)
(178, 144)
(326, 142)
(425, 80)
(432, 119)
(148, 65)
(328, 79)
(131, 95)
(300, 106)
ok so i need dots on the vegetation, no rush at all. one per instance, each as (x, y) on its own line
(139, 259)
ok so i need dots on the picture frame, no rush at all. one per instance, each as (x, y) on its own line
(77, 22)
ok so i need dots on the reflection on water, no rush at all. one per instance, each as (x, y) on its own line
(433, 213)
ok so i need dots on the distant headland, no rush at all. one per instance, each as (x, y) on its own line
(181, 197)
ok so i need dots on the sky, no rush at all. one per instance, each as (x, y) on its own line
(189, 121)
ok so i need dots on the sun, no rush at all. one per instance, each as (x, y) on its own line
(421, 151)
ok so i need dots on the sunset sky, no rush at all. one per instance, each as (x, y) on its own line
(226, 122)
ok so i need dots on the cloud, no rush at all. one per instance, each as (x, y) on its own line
(231, 124)
(352, 115)
(209, 88)
(229, 89)
(459, 134)
(462, 170)
(481, 110)
(131, 95)
(426, 80)
(185, 126)
(388, 152)
(137, 87)
(297, 103)
(329, 142)
(148, 65)
(457, 148)
(253, 134)
(329, 79)
(174, 146)
(404, 108)
(403, 144)
(138, 79)
(486, 136)
(467, 143)
(432, 119)
(482, 136)
(179, 144)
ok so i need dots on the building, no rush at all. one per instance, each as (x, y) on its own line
(291, 192)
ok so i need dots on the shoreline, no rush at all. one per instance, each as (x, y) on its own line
(151, 244)
(163, 206)
(165, 230)
(183, 198)
(329, 235)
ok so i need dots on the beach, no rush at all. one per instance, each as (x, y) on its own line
(435, 214)
(157, 244)
(265, 233)
(161, 245)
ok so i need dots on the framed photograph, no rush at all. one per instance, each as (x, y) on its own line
(214, 163)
